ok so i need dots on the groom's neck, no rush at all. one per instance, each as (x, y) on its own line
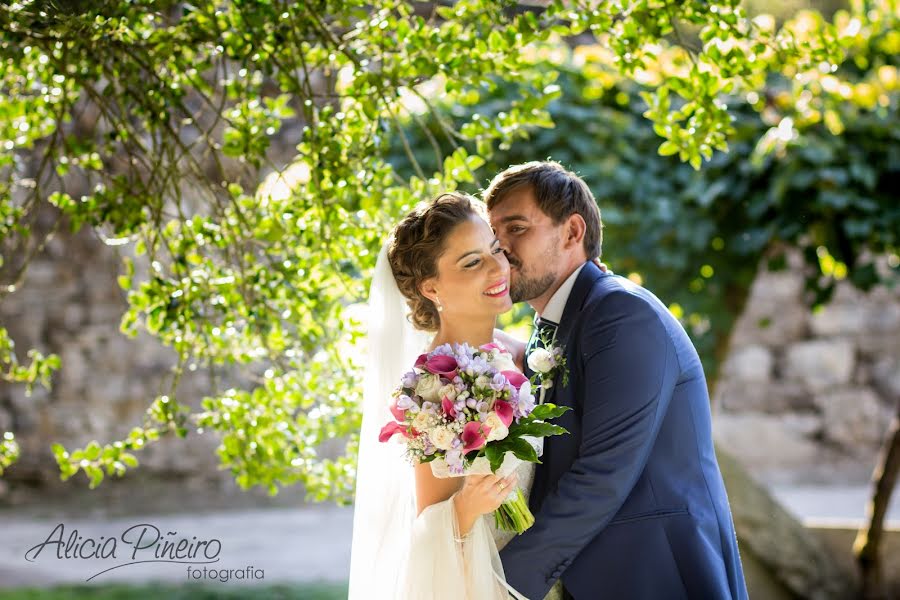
(540, 304)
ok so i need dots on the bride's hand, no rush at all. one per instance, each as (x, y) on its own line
(482, 494)
(515, 347)
(603, 266)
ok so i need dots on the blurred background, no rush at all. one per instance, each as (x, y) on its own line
(763, 252)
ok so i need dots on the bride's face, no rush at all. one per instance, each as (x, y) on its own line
(472, 273)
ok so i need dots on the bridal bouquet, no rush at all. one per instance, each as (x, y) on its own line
(470, 411)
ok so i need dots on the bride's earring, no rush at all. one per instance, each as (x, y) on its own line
(440, 306)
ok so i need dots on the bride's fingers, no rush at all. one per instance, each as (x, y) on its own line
(505, 483)
(479, 481)
(482, 479)
(489, 483)
(508, 480)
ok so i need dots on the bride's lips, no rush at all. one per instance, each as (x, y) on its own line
(498, 290)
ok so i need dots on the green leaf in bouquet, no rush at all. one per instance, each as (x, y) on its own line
(494, 453)
(521, 449)
(427, 458)
(538, 429)
(548, 411)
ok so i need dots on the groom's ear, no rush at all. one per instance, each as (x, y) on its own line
(575, 229)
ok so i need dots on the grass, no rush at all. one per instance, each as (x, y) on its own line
(226, 591)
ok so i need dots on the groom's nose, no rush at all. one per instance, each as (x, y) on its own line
(504, 245)
(512, 260)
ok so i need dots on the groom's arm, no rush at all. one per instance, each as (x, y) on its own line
(630, 370)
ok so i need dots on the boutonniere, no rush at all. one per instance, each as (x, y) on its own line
(548, 363)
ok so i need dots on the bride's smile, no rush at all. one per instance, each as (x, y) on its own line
(498, 290)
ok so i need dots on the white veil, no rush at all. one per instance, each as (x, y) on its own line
(385, 504)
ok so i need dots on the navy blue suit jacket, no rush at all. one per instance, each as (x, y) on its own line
(630, 504)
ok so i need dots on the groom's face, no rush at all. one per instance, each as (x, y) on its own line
(531, 241)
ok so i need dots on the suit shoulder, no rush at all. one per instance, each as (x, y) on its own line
(616, 296)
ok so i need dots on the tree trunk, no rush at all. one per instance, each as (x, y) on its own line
(868, 540)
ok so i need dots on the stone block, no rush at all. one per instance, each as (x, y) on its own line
(853, 418)
(752, 364)
(821, 364)
(763, 442)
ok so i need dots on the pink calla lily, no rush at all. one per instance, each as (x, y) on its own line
(504, 410)
(515, 378)
(447, 405)
(391, 429)
(442, 365)
(474, 435)
(399, 413)
(492, 346)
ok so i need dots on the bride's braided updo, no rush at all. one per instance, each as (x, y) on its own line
(416, 244)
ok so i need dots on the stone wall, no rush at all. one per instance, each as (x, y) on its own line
(71, 304)
(807, 396)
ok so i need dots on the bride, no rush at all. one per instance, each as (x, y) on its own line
(416, 536)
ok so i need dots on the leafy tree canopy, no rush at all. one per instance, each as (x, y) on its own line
(153, 123)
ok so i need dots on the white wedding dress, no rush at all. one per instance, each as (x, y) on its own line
(396, 554)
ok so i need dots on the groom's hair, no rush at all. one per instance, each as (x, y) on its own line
(559, 194)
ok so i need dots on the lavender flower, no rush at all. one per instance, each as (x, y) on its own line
(498, 382)
(454, 460)
(409, 380)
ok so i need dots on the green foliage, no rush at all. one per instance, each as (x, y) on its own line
(809, 166)
(38, 370)
(187, 100)
(9, 451)
(113, 458)
(152, 123)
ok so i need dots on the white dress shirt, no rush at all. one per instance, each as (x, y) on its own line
(557, 304)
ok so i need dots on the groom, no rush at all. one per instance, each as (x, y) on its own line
(631, 503)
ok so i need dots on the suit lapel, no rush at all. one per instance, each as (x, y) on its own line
(579, 294)
(583, 284)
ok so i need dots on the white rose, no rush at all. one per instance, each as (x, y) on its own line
(429, 387)
(483, 381)
(503, 362)
(448, 391)
(421, 421)
(498, 429)
(541, 361)
(442, 438)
